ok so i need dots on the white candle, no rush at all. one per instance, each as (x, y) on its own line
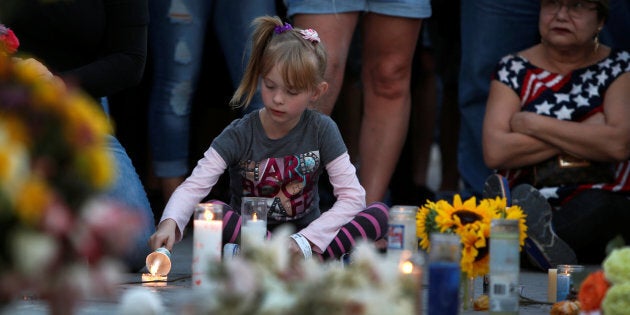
(552, 275)
(402, 230)
(207, 230)
(253, 232)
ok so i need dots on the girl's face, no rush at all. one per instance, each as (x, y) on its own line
(284, 104)
(569, 23)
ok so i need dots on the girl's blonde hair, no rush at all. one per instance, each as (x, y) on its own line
(274, 43)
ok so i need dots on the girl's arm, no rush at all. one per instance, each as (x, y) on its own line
(350, 201)
(204, 176)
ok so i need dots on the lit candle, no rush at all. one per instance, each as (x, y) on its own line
(152, 280)
(159, 262)
(207, 231)
(563, 285)
(254, 217)
(552, 275)
(410, 267)
(253, 232)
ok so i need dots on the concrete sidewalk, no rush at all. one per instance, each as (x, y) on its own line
(176, 291)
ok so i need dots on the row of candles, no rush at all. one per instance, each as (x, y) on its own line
(207, 239)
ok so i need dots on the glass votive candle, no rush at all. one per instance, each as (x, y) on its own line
(402, 230)
(207, 237)
(565, 283)
(254, 212)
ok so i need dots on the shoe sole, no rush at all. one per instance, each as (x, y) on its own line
(497, 186)
(542, 245)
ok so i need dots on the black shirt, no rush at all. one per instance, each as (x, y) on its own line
(100, 45)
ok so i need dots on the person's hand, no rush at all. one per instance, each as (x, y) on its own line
(39, 70)
(520, 122)
(164, 236)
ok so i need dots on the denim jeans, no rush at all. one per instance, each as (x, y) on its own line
(128, 189)
(176, 36)
(491, 29)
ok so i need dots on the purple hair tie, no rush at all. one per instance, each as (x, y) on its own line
(282, 28)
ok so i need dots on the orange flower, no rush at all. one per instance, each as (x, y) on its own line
(593, 290)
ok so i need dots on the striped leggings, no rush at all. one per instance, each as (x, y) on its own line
(371, 224)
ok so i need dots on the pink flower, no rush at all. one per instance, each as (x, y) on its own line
(9, 43)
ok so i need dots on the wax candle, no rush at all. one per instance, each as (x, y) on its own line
(410, 267)
(254, 212)
(444, 274)
(563, 285)
(552, 275)
(207, 231)
(253, 232)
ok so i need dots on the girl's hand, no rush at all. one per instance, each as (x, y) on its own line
(164, 236)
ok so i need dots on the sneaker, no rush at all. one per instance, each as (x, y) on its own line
(543, 247)
(497, 186)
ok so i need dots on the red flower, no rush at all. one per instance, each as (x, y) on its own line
(593, 290)
(9, 43)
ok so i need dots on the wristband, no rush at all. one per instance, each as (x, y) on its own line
(303, 244)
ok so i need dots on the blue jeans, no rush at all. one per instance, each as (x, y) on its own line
(127, 188)
(176, 38)
(491, 29)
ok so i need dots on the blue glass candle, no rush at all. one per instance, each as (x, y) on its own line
(444, 278)
(444, 274)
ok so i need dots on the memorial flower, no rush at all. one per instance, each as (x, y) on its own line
(471, 221)
(59, 238)
(608, 289)
(268, 280)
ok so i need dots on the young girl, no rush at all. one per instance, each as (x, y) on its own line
(279, 152)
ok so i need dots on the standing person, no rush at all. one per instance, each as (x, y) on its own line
(280, 151)
(483, 46)
(565, 101)
(177, 32)
(99, 46)
(390, 31)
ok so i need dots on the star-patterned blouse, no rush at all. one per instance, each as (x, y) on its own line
(574, 97)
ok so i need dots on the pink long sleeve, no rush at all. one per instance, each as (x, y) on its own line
(181, 205)
(350, 201)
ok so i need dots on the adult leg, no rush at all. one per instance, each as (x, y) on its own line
(177, 31)
(232, 24)
(386, 76)
(127, 188)
(335, 31)
(490, 29)
(590, 220)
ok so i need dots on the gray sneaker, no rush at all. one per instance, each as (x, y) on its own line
(543, 247)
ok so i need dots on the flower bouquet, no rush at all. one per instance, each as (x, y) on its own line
(59, 239)
(471, 221)
(267, 279)
(606, 291)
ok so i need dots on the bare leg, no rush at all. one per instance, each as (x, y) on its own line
(335, 31)
(388, 47)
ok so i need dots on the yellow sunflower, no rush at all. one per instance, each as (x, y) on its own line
(471, 221)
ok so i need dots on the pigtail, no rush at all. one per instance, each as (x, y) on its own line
(264, 30)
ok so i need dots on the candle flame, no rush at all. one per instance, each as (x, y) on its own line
(208, 215)
(406, 267)
(154, 268)
(254, 217)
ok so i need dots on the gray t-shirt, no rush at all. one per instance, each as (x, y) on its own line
(287, 169)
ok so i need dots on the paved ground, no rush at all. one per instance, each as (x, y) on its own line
(175, 292)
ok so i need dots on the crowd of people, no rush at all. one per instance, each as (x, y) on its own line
(551, 84)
